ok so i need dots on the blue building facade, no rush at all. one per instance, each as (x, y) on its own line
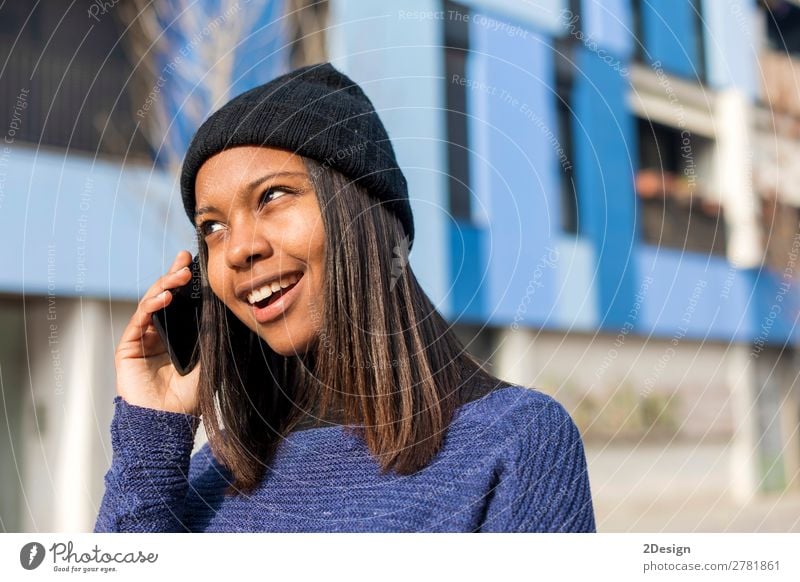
(582, 175)
(508, 260)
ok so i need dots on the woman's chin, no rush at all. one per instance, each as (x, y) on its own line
(288, 346)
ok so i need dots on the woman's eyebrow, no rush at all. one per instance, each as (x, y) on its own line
(249, 187)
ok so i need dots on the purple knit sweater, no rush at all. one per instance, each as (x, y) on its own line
(511, 461)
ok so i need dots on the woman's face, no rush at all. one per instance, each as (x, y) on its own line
(259, 216)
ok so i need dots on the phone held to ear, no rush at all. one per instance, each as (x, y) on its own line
(178, 323)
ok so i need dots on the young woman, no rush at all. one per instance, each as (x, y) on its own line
(334, 395)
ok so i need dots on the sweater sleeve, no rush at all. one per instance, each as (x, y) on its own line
(146, 485)
(543, 485)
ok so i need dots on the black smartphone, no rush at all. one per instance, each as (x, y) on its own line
(178, 323)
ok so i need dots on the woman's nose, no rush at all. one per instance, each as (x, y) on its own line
(245, 244)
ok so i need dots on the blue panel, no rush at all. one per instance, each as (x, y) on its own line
(513, 143)
(399, 63)
(182, 88)
(607, 23)
(577, 294)
(669, 35)
(505, 15)
(77, 227)
(467, 272)
(774, 310)
(262, 53)
(729, 40)
(605, 146)
(691, 295)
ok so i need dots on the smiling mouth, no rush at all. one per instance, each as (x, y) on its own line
(275, 296)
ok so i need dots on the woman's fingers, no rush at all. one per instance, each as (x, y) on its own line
(169, 281)
(157, 297)
(142, 317)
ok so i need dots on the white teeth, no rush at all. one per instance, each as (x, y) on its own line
(270, 288)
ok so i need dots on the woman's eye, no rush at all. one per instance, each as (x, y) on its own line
(206, 227)
(273, 193)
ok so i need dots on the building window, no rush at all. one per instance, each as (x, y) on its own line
(307, 22)
(456, 45)
(677, 209)
(780, 227)
(565, 71)
(638, 32)
(778, 60)
(79, 87)
(699, 36)
(640, 52)
(782, 25)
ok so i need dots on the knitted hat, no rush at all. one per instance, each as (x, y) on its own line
(314, 111)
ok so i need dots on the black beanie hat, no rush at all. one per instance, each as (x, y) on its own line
(314, 111)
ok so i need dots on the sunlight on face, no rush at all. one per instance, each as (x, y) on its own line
(259, 216)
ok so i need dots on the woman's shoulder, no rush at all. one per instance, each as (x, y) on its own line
(506, 399)
(513, 411)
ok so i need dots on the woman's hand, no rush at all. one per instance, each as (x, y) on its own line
(145, 374)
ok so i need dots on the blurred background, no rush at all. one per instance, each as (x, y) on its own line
(606, 194)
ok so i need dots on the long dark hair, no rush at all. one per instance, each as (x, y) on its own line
(386, 365)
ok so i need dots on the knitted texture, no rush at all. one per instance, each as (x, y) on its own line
(314, 111)
(511, 461)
